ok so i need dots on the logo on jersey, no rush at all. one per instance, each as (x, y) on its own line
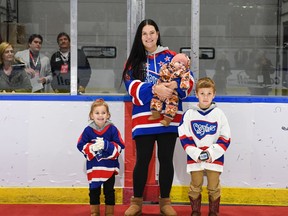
(203, 128)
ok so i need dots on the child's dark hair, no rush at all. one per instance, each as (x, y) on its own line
(205, 82)
(96, 103)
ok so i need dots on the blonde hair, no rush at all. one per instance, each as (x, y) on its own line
(3, 47)
(97, 103)
(205, 82)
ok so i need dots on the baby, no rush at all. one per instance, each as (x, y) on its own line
(178, 68)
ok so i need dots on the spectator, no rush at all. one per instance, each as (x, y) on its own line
(259, 70)
(222, 71)
(60, 65)
(13, 77)
(37, 64)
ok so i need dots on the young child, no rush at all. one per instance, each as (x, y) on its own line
(178, 68)
(101, 144)
(205, 136)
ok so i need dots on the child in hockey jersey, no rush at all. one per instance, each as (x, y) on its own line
(101, 144)
(205, 136)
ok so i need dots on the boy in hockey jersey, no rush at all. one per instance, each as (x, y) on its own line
(205, 136)
(101, 144)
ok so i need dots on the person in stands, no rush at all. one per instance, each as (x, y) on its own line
(13, 77)
(61, 68)
(37, 64)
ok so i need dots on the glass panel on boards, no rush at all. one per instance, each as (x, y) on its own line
(31, 28)
(102, 36)
(246, 39)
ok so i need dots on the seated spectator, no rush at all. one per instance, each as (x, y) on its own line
(37, 64)
(60, 65)
(13, 77)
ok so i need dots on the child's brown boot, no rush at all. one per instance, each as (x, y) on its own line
(214, 206)
(196, 206)
(109, 210)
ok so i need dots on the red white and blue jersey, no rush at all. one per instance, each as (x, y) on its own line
(100, 171)
(205, 130)
(141, 94)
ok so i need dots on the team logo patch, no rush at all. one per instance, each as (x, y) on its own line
(203, 128)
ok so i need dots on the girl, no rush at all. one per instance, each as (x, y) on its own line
(101, 144)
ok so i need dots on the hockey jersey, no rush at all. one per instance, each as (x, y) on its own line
(204, 130)
(141, 95)
(99, 171)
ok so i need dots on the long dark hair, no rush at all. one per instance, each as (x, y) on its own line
(137, 58)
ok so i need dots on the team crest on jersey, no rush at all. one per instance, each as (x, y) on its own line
(203, 128)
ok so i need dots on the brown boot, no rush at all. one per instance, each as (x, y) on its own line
(155, 115)
(95, 210)
(214, 206)
(165, 207)
(166, 121)
(109, 210)
(196, 206)
(135, 208)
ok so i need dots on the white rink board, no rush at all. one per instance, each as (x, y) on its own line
(39, 141)
(38, 144)
(258, 153)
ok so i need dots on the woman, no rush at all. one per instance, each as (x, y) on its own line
(13, 77)
(140, 76)
(37, 64)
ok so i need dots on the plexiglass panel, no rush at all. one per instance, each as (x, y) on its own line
(245, 35)
(248, 39)
(102, 34)
(174, 21)
(31, 27)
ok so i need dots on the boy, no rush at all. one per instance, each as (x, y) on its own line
(205, 136)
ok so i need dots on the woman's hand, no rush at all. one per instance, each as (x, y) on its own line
(172, 85)
(163, 91)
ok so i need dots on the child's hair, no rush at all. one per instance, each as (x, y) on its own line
(97, 103)
(205, 82)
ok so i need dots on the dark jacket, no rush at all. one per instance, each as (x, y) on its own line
(17, 81)
(61, 77)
